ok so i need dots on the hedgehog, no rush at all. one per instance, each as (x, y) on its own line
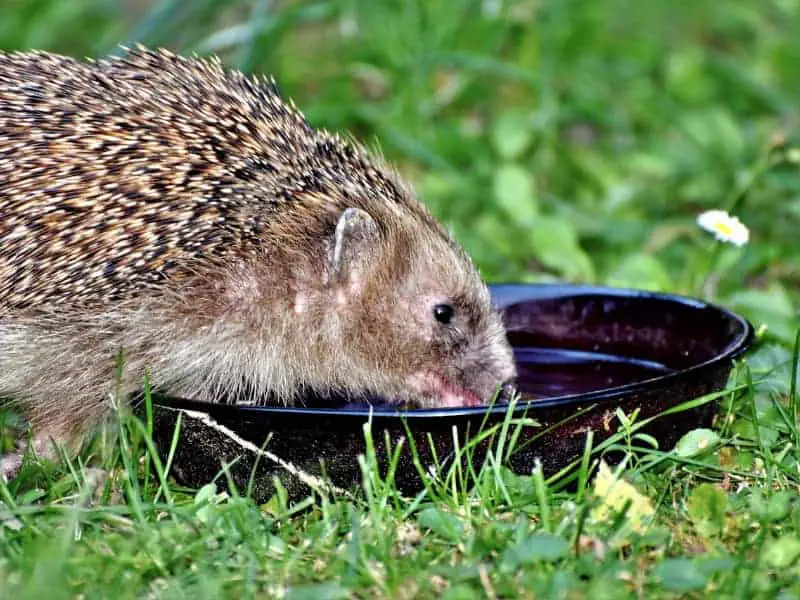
(164, 217)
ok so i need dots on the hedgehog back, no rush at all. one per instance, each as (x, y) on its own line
(118, 173)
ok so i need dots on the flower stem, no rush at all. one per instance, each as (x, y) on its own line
(709, 283)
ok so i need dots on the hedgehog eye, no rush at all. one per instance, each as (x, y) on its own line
(444, 313)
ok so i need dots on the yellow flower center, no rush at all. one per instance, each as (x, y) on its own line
(724, 228)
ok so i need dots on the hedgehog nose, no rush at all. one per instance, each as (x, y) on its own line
(507, 390)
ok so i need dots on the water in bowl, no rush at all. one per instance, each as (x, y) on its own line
(548, 373)
(551, 372)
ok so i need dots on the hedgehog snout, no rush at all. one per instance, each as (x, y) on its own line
(492, 367)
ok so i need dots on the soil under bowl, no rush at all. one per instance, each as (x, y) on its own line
(582, 352)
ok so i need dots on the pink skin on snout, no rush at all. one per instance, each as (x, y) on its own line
(448, 394)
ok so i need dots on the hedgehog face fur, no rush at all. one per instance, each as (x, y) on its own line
(434, 340)
(190, 218)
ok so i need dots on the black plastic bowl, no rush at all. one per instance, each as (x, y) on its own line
(583, 353)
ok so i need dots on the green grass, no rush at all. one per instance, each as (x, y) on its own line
(559, 140)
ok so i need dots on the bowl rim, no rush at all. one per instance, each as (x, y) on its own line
(740, 344)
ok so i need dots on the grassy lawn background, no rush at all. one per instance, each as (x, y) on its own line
(569, 140)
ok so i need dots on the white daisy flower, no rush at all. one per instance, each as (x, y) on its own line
(725, 227)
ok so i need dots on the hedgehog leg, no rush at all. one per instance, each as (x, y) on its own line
(57, 427)
(11, 463)
(45, 442)
(59, 376)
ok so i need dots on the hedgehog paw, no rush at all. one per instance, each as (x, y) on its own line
(10, 465)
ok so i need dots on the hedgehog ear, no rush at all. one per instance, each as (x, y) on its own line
(356, 233)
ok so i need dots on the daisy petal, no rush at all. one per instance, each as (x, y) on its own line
(725, 227)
